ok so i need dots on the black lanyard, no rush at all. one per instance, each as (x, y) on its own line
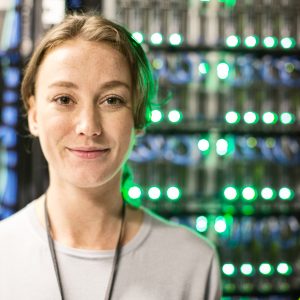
(116, 259)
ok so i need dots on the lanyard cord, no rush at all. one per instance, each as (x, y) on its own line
(116, 259)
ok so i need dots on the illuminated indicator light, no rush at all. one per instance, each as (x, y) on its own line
(173, 193)
(156, 116)
(138, 36)
(232, 117)
(285, 193)
(269, 117)
(251, 142)
(287, 43)
(249, 193)
(289, 67)
(247, 269)
(230, 193)
(203, 145)
(135, 192)
(266, 269)
(287, 118)
(221, 147)
(248, 210)
(154, 193)
(157, 63)
(201, 224)
(284, 269)
(174, 116)
(270, 142)
(251, 117)
(220, 224)
(267, 193)
(228, 269)
(233, 41)
(203, 68)
(156, 38)
(270, 42)
(175, 39)
(251, 41)
(223, 70)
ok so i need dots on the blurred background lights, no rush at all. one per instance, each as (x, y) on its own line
(221, 147)
(220, 224)
(222, 70)
(284, 268)
(230, 193)
(247, 269)
(173, 193)
(174, 116)
(228, 269)
(175, 39)
(232, 117)
(154, 193)
(287, 42)
(267, 193)
(156, 116)
(201, 224)
(287, 118)
(270, 42)
(269, 117)
(156, 38)
(249, 193)
(251, 41)
(286, 193)
(266, 269)
(203, 68)
(233, 41)
(135, 192)
(203, 145)
(250, 117)
(138, 36)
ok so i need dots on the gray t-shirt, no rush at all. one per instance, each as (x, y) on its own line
(163, 261)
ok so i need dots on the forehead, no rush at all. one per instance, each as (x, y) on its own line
(84, 61)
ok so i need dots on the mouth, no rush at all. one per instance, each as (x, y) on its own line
(89, 153)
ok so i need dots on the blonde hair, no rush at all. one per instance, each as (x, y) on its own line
(93, 27)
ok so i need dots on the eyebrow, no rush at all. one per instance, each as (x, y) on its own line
(105, 86)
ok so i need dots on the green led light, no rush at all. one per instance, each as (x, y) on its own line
(138, 36)
(135, 192)
(175, 39)
(173, 193)
(154, 193)
(220, 224)
(156, 116)
(270, 42)
(251, 41)
(284, 268)
(156, 38)
(228, 269)
(266, 269)
(287, 118)
(222, 147)
(201, 224)
(251, 117)
(247, 269)
(223, 70)
(203, 145)
(269, 117)
(232, 117)
(270, 142)
(287, 42)
(233, 41)
(203, 68)
(157, 63)
(268, 194)
(174, 116)
(286, 193)
(230, 193)
(249, 193)
(251, 142)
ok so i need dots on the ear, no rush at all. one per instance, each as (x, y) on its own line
(139, 132)
(32, 117)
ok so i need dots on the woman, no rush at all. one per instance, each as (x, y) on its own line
(87, 89)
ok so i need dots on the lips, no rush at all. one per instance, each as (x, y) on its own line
(89, 152)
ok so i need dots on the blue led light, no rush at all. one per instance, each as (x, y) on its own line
(12, 77)
(8, 137)
(10, 97)
(9, 115)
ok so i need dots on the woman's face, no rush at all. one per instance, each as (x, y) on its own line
(82, 113)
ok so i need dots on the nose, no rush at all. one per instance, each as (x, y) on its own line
(88, 122)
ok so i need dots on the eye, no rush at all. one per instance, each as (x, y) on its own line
(63, 100)
(114, 101)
